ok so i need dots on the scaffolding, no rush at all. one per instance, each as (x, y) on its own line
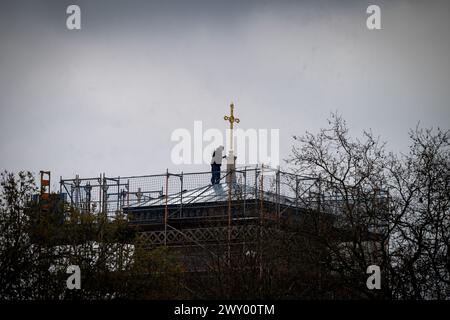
(114, 195)
(186, 209)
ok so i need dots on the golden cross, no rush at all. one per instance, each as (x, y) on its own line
(232, 120)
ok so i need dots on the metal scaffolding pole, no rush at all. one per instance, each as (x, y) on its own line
(166, 209)
(229, 215)
(261, 217)
(181, 194)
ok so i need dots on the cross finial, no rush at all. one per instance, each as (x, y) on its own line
(231, 119)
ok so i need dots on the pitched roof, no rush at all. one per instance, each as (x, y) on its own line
(211, 194)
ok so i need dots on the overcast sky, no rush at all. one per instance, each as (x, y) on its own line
(106, 98)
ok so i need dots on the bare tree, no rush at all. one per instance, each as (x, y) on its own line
(351, 180)
(389, 210)
(420, 242)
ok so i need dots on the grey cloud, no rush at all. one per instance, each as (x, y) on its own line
(106, 98)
